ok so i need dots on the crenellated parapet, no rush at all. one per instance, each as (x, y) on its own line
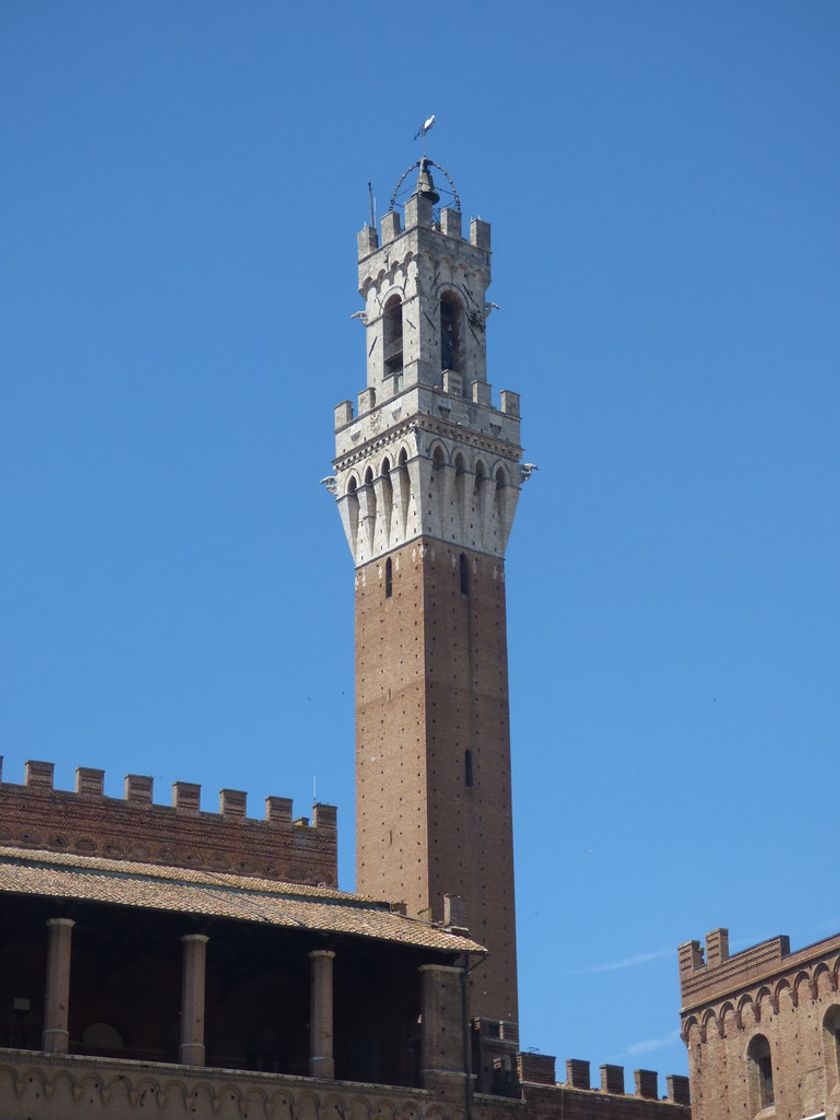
(576, 1099)
(85, 821)
(756, 977)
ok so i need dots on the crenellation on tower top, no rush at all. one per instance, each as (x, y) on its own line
(343, 414)
(391, 227)
(509, 403)
(450, 222)
(419, 212)
(480, 234)
(367, 241)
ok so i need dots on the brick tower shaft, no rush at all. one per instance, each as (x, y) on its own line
(433, 754)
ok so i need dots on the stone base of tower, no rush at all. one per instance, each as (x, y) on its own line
(433, 748)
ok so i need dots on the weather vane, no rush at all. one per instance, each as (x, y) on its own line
(424, 127)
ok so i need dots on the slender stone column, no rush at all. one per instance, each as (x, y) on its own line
(57, 999)
(321, 1062)
(191, 1050)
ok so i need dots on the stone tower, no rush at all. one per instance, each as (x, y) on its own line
(427, 477)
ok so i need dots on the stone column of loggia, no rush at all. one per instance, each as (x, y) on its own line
(321, 1063)
(191, 1050)
(442, 1062)
(57, 998)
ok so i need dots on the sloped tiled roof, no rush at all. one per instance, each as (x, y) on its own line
(214, 894)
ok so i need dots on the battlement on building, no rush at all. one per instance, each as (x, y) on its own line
(85, 821)
(709, 971)
(451, 385)
(577, 1098)
(420, 215)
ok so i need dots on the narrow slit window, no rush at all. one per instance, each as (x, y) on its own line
(468, 769)
(389, 578)
(464, 569)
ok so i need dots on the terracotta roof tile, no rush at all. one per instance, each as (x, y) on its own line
(187, 891)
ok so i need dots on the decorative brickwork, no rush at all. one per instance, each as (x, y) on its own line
(37, 816)
(762, 1028)
(51, 1088)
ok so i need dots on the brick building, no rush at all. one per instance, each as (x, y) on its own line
(162, 961)
(762, 1028)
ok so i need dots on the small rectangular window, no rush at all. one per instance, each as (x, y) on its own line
(468, 769)
(389, 578)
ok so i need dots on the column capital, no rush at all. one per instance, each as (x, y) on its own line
(195, 937)
(321, 953)
(69, 922)
(441, 968)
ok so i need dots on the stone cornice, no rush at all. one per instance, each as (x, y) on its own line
(435, 427)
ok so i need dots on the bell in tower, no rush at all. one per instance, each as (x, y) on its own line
(426, 184)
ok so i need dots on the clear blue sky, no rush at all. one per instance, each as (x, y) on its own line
(181, 188)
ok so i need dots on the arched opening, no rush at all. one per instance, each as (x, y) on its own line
(760, 1065)
(404, 486)
(438, 459)
(370, 515)
(353, 511)
(831, 1048)
(479, 480)
(389, 578)
(499, 503)
(464, 574)
(387, 494)
(392, 340)
(451, 315)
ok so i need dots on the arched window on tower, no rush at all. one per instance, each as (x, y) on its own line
(464, 574)
(392, 340)
(760, 1065)
(353, 512)
(389, 578)
(403, 488)
(451, 316)
(387, 494)
(435, 494)
(370, 519)
(500, 499)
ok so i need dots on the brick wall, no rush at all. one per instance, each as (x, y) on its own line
(576, 1100)
(35, 815)
(431, 681)
(733, 1002)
